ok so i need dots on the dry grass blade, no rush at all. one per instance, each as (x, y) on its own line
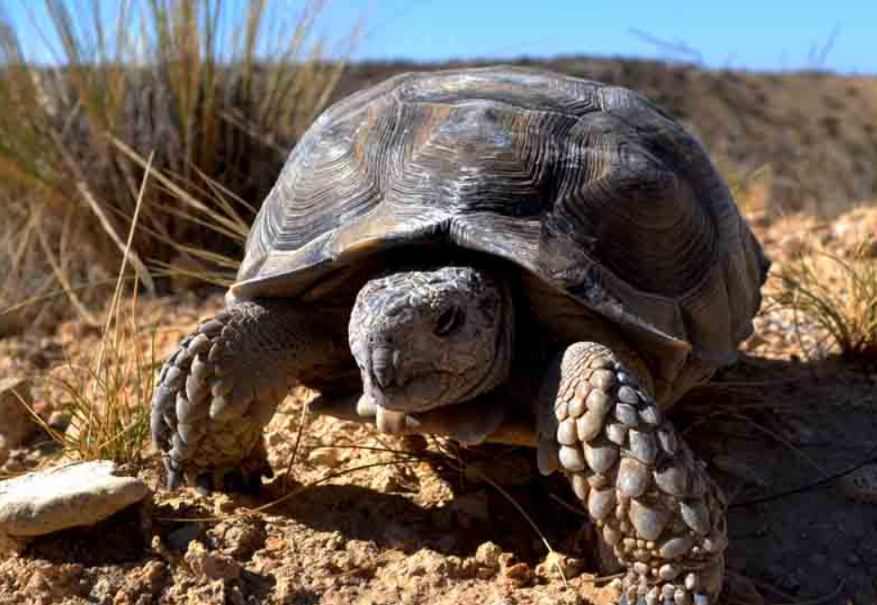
(108, 401)
(162, 75)
(839, 294)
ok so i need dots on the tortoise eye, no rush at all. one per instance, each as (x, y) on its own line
(450, 321)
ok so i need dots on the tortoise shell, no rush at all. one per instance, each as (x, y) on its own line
(591, 188)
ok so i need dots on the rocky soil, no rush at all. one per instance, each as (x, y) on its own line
(350, 519)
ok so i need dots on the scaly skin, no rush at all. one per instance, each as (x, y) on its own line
(221, 387)
(651, 500)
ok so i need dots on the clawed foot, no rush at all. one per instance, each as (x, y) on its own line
(652, 501)
(690, 588)
(211, 404)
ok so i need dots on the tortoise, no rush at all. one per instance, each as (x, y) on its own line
(492, 254)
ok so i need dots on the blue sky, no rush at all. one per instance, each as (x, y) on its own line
(763, 35)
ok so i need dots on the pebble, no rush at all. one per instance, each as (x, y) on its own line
(488, 554)
(212, 565)
(559, 565)
(330, 457)
(520, 574)
(66, 496)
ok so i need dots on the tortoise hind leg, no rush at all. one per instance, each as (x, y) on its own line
(223, 384)
(652, 502)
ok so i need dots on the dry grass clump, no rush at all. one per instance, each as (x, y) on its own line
(108, 399)
(838, 293)
(218, 90)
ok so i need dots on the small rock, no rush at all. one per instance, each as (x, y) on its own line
(16, 422)
(211, 565)
(520, 574)
(144, 585)
(63, 497)
(488, 554)
(239, 538)
(395, 478)
(212, 593)
(558, 565)
(330, 457)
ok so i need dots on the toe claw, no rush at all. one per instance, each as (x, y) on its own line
(204, 483)
(233, 482)
(174, 475)
(174, 479)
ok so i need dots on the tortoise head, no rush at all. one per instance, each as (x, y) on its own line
(432, 337)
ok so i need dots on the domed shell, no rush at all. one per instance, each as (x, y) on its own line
(590, 187)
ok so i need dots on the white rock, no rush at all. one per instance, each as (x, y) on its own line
(63, 497)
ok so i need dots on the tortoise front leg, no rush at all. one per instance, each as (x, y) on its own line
(221, 387)
(651, 500)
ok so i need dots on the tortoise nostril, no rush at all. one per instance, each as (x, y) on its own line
(383, 366)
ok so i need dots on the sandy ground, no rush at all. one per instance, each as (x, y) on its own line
(356, 522)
